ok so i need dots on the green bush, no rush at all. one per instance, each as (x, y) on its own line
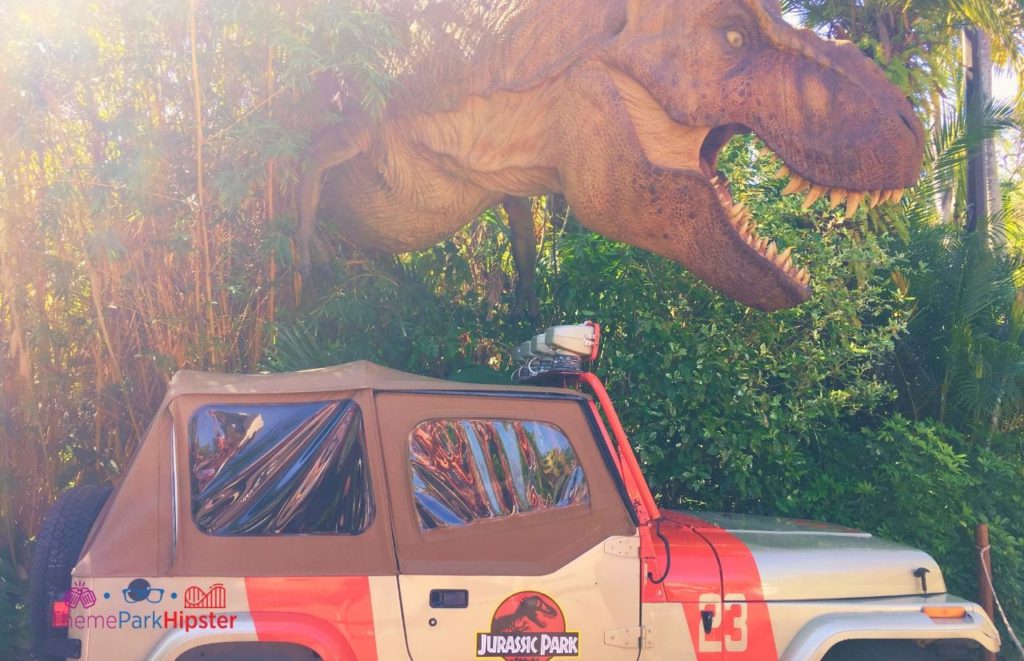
(729, 407)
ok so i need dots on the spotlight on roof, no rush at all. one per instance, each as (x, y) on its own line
(557, 352)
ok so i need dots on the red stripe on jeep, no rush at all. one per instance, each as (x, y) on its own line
(332, 615)
(741, 577)
(744, 629)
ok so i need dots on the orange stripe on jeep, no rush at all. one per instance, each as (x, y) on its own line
(332, 615)
(698, 581)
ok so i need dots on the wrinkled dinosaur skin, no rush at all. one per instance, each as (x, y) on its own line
(623, 108)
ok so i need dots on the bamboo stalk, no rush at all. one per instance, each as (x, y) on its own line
(271, 213)
(18, 348)
(97, 440)
(96, 293)
(296, 277)
(204, 238)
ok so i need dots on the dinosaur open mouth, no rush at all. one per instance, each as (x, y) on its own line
(726, 249)
(744, 222)
(741, 218)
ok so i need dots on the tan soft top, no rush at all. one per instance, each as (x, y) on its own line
(141, 533)
(359, 375)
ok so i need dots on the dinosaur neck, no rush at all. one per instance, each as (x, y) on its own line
(499, 142)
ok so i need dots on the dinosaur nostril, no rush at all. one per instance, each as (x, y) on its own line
(910, 123)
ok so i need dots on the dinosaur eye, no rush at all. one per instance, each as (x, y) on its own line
(735, 38)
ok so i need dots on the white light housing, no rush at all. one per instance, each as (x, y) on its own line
(523, 351)
(557, 353)
(540, 347)
(580, 340)
(577, 339)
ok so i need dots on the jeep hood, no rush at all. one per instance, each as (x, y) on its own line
(804, 560)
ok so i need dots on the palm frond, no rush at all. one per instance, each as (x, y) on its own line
(961, 130)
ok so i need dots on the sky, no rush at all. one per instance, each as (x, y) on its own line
(1004, 84)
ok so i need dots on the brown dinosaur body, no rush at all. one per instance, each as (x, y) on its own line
(622, 107)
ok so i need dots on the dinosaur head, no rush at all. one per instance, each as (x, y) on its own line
(690, 74)
(533, 607)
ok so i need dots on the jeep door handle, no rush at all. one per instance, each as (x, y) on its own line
(707, 619)
(449, 598)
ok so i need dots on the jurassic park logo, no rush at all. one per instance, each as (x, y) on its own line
(528, 626)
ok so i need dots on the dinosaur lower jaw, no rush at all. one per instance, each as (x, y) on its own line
(746, 228)
(740, 217)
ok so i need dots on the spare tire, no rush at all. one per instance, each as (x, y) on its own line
(58, 545)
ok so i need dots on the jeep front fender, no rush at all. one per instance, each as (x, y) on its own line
(822, 633)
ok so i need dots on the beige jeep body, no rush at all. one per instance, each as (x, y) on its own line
(357, 512)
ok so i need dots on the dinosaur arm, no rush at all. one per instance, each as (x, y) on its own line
(524, 252)
(333, 147)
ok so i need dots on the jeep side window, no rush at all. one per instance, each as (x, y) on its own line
(280, 469)
(467, 470)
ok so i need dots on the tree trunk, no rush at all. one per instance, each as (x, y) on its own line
(983, 198)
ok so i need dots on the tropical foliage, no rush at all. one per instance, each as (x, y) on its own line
(147, 163)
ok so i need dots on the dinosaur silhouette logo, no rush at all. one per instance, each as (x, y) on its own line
(527, 626)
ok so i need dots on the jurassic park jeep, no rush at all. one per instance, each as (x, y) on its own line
(357, 512)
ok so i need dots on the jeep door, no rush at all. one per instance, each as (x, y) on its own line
(511, 535)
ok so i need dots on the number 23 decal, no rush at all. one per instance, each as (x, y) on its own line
(734, 613)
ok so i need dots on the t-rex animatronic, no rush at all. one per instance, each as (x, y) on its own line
(622, 106)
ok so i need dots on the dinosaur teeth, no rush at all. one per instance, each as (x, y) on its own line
(746, 227)
(784, 259)
(781, 260)
(813, 195)
(836, 196)
(853, 203)
(796, 184)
